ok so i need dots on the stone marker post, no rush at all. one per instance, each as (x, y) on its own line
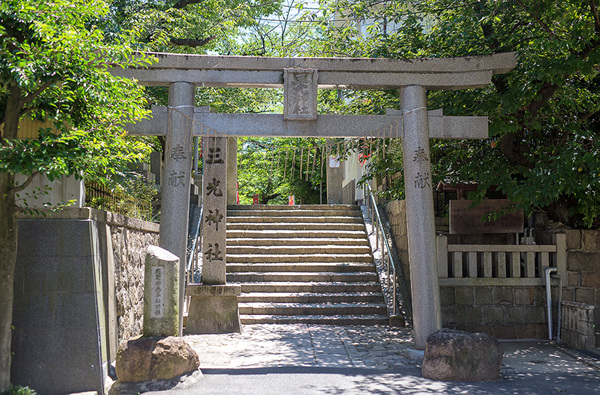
(161, 293)
(213, 304)
(176, 177)
(214, 222)
(420, 219)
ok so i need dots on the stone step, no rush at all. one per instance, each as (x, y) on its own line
(312, 308)
(287, 234)
(258, 277)
(321, 287)
(252, 219)
(296, 250)
(309, 297)
(296, 264)
(296, 226)
(245, 241)
(301, 267)
(316, 319)
(293, 213)
(302, 207)
(298, 258)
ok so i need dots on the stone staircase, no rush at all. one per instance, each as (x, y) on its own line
(303, 264)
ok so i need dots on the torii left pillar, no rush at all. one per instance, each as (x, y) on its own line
(177, 173)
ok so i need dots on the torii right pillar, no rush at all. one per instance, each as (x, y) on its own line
(422, 250)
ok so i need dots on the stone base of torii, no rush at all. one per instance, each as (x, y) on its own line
(214, 303)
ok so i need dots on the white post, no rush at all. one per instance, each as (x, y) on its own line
(176, 181)
(420, 216)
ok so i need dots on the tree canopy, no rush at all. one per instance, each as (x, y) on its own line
(54, 65)
(543, 151)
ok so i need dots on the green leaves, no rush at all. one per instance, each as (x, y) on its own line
(544, 115)
(56, 66)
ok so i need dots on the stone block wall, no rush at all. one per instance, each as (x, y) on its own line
(396, 213)
(130, 238)
(578, 326)
(81, 275)
(504, 312)
(581, 290)
(123, 242)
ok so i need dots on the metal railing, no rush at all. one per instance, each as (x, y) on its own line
(389, 266)
(194, 246)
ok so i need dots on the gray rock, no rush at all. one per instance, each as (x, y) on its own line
(461, 356)
(155, 358)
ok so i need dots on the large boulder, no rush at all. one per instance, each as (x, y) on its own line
(155, 358)
(460, 356)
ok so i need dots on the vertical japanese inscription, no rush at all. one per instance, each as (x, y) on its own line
(213, 156)
(214, 218)
(300, 94)
(215, 210)
(177, 179)
(178, 153)
(158, 292)
(421, 179)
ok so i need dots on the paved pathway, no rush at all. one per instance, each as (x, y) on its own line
(313, 359)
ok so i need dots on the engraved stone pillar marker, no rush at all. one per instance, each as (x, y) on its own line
(422, 251)
(213, 304)
(161, 293)
(176, 177)
(214, 198)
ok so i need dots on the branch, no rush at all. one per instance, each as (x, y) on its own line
(190, 42)
(537, 19)
(30, 97)
(595, 12)
(589, 115)
(28, 181)
(183, 3)
(546, 93)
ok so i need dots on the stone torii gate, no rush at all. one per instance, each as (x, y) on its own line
(300, 78)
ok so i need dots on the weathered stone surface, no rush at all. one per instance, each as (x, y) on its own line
(438, 73)
(422, 250)
(583, 261)
(161, 295)
(155, 358)
(456, 355)
(214, 231)
(590, 240)
(129, 276)
(183, 382)
(213, 309)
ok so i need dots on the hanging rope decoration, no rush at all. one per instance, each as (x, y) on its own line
(323, 151)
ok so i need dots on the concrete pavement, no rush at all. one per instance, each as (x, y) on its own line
(313, 359)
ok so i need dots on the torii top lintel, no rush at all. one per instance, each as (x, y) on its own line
(334, 73)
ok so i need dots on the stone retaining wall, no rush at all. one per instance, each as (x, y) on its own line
(396, 213)
(581, 290)
(130, 238)
(504, 312)
(123, 268)
(507, 312)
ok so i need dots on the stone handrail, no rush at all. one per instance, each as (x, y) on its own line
(499, 265)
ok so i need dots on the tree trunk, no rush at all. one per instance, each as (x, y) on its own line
(8, 258)
(8, 239)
